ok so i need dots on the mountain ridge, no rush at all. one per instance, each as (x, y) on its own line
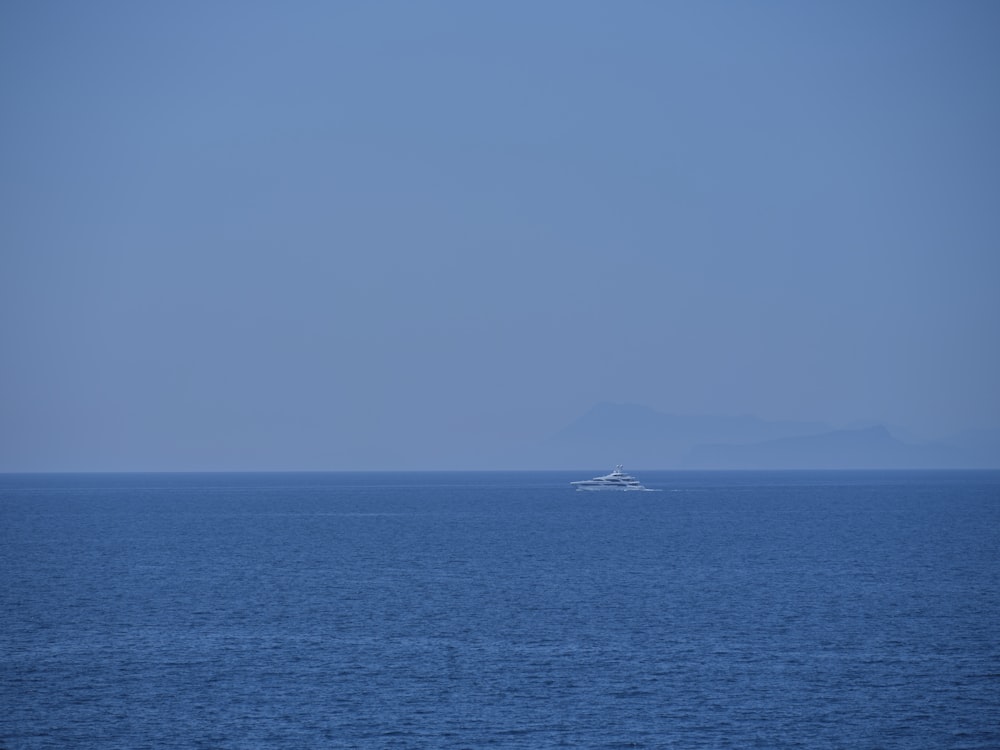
(645, 437)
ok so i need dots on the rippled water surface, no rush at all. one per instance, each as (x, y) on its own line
(814, 610)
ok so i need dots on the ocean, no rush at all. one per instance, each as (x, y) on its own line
(468, 610)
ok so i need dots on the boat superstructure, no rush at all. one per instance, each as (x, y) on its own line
(616, 480)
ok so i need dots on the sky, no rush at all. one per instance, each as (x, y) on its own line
(356, 235)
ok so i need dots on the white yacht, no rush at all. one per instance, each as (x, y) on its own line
(616, 480)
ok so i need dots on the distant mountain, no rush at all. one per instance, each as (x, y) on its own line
(645, 438)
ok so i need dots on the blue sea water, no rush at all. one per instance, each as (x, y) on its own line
(467, 610)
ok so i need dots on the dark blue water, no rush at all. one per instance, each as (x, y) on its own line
(833, 610)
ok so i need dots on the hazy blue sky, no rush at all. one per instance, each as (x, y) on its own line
(372, 235)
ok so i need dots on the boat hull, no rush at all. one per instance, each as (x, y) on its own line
(605, 488)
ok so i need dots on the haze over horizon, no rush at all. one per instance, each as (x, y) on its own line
(244, 236)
